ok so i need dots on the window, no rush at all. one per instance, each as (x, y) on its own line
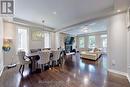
(81, 42)
(91, 42)
(104, 40)
(47, 40)
(104, 36)
(22, 39)
(104, 43)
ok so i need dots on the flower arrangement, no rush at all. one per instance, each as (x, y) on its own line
(6, 46)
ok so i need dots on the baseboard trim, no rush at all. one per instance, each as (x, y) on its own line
(118, 72)
(128, 78)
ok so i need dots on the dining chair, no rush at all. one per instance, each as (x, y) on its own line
(23, 61)
(44, 58)
(62, 58)
(56, 57)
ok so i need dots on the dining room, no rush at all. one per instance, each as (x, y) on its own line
(26, 44)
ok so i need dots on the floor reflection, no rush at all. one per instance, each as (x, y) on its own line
(82, 65)
(91, 68)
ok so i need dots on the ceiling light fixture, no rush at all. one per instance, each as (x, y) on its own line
(43, 28)
(118, 11)
(85, 29)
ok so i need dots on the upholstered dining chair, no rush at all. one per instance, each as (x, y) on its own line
(56, 57)
(44, 59)
(23, 61)
(62, 58)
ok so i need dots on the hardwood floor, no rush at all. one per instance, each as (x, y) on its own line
(75, 72)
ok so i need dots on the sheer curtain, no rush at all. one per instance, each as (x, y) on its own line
(22, 37)
(47, 40)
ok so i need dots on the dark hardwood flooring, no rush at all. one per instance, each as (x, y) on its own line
(75, 72)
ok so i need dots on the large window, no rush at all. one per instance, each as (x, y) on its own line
(91, 41)
(104, 40)
(47, 40)
(22, 39)
(81, 42)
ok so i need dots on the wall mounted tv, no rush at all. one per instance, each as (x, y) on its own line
(69, 40)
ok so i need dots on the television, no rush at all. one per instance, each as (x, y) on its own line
(69, 40)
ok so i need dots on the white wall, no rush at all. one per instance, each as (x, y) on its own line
(57, 39)
(53, 43)
(128, 53)
(98, 41)
(1, 44)
(62, 40)
(10, 33)
(117, 43)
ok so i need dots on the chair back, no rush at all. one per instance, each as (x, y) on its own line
(21, 55)
(44, 57)
(62, 54)
(46, 49)
(56, 55)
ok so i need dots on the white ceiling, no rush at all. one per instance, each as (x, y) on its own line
(68, 12)
(97, 26)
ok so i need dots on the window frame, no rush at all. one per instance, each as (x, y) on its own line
(103, 37)
(83, 42)
(89, 46)
(24, 28)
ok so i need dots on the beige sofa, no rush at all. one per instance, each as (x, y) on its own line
(92, 55)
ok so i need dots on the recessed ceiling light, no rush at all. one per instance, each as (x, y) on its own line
(118, 10)
(54, 12)
(85, 31)
(84, 28)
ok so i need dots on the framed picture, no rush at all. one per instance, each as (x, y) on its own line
(128, 18)
(37, 35)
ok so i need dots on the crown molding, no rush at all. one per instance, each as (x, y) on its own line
(100, 16)
(31, 24)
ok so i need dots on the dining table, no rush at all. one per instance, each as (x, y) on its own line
(34, 57)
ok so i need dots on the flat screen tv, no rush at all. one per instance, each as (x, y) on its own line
(69, 40)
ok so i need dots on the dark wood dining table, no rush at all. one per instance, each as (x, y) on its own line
(34, 57)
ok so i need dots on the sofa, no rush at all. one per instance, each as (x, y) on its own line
(91, 55)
